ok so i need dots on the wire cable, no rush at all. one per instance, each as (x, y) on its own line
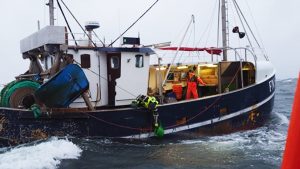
(62, 12)
(133, 23)
(98, 38)
(78, 23)
(239, 9)
(258, 34)
(239, 15)
(128, 92)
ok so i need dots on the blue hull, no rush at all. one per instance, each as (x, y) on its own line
(243, 109)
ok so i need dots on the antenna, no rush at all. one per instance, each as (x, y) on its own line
(38, 25)
(133, 23)
(225, 31)
(51, 12)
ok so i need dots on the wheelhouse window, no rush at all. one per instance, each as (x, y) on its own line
(85, 61)
(139, 61)
(115, 62)
(170, 76)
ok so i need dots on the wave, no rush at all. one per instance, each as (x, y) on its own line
(46, 155)
(289, 80)
(259, 142)
(283, 118)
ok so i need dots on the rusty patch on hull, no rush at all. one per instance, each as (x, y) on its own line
(38, 134)
(3, 122)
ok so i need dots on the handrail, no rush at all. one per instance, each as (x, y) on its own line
(81, 37)
(252, 53)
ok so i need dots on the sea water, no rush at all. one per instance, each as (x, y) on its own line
(260, 148)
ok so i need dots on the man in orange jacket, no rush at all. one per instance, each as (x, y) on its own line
(192, 84)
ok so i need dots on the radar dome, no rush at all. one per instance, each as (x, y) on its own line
(91, 25)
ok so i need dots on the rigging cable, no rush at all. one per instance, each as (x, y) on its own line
(258, 34)
(239, 15)
(95, 46)
(180, 44)
(189, 53)
(235, 22)
(98, 38)
(206, 31)
(62, 12)
(239, 9)
(210, 24)
(133, 23)
(79, 24)
(194, 43)
(107, 80)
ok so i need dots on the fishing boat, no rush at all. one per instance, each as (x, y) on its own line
(81, 88)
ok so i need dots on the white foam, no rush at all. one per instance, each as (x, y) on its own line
(289, 80)
(187, 142)
(46, 155)
(262, 138)
(283, 118)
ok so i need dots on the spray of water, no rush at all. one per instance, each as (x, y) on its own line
(45, 155)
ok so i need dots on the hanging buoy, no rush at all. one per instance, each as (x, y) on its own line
(236, 30)
(159, 131)
(35, 108)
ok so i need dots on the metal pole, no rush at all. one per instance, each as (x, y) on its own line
(224, 29)
(168, 70)
(219, 78)
(39, 25)
(51, 12)
(87, 101)
(246, 55)
(242, 76)
(160, 81)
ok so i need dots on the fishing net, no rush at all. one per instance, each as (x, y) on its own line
(13, 94)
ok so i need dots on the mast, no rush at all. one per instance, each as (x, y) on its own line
(51, 12)
(225, 32)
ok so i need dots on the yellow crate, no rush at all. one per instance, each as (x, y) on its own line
(211, 81)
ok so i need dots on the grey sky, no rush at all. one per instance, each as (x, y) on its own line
(278, 24)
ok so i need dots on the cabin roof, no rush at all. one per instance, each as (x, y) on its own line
(147, 51)
(137, 50)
